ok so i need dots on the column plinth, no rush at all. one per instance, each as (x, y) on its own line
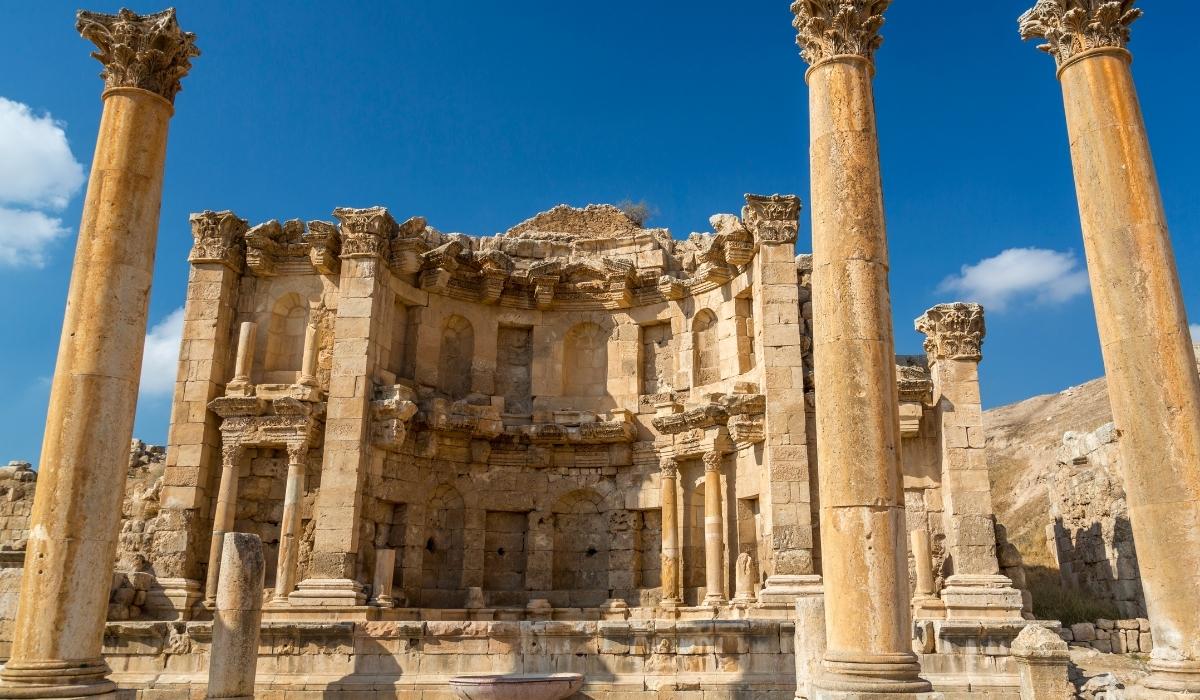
(668, 485)
(1148, 359)
(76, 514)
(868, 620)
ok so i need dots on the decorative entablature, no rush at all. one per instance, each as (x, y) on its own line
(576, 428)
(219, 237)
(736, 418)
(462, 418)
(915, 389)
(284, 422)
(392, 409)
(291, 247)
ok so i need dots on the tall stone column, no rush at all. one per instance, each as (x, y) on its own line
(954, 345)
(77, 510)
(858, 433)
(289, 525)
(1152, 381)
(223, 516)
(714, 530)
(668, 487)
(366, 239)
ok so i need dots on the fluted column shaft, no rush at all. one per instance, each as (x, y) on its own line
(668, 483)
(714, 531)
(223, 516)
(289, 525)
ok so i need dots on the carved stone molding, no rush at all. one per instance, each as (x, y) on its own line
(365, 232)
(1071, 27)
(712, 461)
(828, 28)
(773, 218)
(914, 383)
(324, 245)
(219, 238)
(391, 410)
(953, 331)
(263, 245)
(668, 468)
(149, 52)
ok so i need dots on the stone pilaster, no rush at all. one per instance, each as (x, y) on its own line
(1148, 359)
(194, 436)
(954, 345)
(714, 530)
(77, 510)
(366, 236)
(774, 222)
(668, 487)
(868, 621)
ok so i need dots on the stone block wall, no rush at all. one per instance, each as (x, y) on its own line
(1111, 636)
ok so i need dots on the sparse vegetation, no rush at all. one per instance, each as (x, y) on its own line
(639, 212)
(1053, 601)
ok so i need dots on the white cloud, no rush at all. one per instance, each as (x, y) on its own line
(38, 176)
(160, 359)
(24, 236)
(1195, 328)
(1043, 276)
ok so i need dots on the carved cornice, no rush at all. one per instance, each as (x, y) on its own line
(365, 232)
(149, 52)
(324, 245)
(263, 245)
(913, 383)
(773, 218)
(828, 28)
(1071, 27)
(953, 331)
(392, 408)
(219, 238)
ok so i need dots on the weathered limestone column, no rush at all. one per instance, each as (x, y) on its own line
(194, 437)
(366, 239)
(669, 484)
(77, 510)
(809, 642)
(308, 368)
(868, 621)
(954, 345)
(233, 660)
(223, 516)
(243, 363)
(714, 530)
(289, 525)
(385, 571)
(1152, 381)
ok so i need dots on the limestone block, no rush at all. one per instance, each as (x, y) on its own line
(1042, 663)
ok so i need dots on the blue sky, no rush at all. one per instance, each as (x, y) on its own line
(478, 115)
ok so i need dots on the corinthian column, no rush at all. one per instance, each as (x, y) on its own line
(77, 510)
(1148, 359)
(954, 345)
(289, 526)
(858, 433)
(668, 479)
(714, 531)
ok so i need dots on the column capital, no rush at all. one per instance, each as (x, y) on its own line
(149, 52)
(953, 331)
(1071, 27)
(668, 468)
(828, 28)
(219, 238)
(365, 232)
(773, 218)
(712, 461)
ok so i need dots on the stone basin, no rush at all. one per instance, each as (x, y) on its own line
(517, 686)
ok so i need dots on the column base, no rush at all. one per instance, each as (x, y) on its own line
(845, 675)
(1173, 679)
(173, 598)
(928, 607)
(784, 589)
(713, 601)
(64, 680)
(981, 597)
(332, 592)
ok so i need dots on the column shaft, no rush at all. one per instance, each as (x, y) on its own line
(862, 506)
(289, 526)
(670, 535)
(223, 516)
(1148, 358)
(77, 509)
(714, 531)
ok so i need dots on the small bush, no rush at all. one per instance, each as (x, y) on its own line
(639, 212)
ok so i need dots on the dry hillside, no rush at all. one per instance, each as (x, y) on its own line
(1023, 440)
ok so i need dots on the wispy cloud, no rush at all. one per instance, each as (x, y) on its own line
(1020, 274)
(160, 359)
(38, 177)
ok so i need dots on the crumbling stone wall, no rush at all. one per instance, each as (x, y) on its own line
(17, 484)
(1090, 535)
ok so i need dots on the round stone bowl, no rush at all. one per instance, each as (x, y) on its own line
(517, 686)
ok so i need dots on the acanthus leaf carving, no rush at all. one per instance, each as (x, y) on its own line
(1071, 27)
(773, 218)
(366, 233)
(828, 28)
(148, 52)
(219, 237)
(953, 331)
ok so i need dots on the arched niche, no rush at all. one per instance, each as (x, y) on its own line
(455, 357)
(283, 349)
